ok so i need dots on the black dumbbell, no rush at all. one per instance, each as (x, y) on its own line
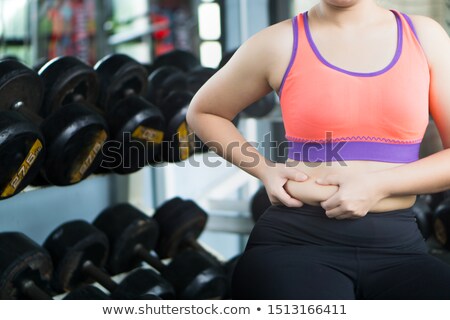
(133, 235)
(86, 292)
(181, 59)
(441, 223)
(229, 267)
(26, 269)
(137, 126)
(22, 152)
(424, 216)
(81, 131)
(79, 252)
(180, 223)
(162, 81)
(22, 147)
(179, 142)
(67, 130)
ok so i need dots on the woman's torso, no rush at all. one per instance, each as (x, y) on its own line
(359, 50)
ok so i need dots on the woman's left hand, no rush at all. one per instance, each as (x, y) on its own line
(356, 195)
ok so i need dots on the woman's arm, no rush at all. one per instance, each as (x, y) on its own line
(431, 174)
(357, 194)
(255, 70)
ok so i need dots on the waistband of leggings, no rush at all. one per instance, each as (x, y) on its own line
(317, 210)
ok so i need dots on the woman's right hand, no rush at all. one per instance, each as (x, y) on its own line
(275, 178)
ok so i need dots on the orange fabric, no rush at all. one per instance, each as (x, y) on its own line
(390, 107)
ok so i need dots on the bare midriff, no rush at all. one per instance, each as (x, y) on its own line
(309, 192)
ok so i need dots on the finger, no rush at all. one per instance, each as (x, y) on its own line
(331, 203)
(336, 212)
(296, 175)
(332, 179)
(288, 201)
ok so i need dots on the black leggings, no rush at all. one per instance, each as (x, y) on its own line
(301, 254)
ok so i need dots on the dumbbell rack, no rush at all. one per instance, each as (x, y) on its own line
(37, 211)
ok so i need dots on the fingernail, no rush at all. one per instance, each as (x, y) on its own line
(319, 181)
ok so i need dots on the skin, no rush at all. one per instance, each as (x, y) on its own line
(347, 191)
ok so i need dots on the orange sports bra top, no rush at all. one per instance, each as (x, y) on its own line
(331, 114)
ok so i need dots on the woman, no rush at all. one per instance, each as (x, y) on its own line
(356, 85)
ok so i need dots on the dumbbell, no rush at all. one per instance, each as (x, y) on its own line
(162, 81)
(424, 216)
(260, 203)
(179, 143)
(180, 223)
(229, 267)
(260, 108)
(435, 199)
(79, 252)
(22, 147)
(66, 130)
(181, 59)
(81, 131)
(137, 126)
(133, 235)
(441, 223)
(26, 270)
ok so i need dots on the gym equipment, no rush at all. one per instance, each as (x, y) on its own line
(132, 235)
(179, 141)
(25, 268)
(71, 133)
(87, 293)
(229, 270)
(22, 148)
(183, 60)
(441, 223)
(79, 252)
(180, 223)
(79, 133)
(424, 216)
(21, 152)
(137, 126)
(434, 199)
(259, 204)
(164, 80)
(260, 108)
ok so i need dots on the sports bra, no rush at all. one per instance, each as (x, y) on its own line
(331, 114)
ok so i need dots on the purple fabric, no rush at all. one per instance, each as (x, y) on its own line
(411, 25)
(351, 73)
(294, 54)
(342, 151)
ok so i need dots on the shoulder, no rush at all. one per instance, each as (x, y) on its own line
(432, 36)
(269, 40)
(265, 52)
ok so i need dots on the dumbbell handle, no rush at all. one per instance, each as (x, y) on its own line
(100, 276)
(145, 255)
(31, 290)
(193, 243)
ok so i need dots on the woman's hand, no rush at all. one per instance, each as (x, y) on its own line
(275, 178)
(356, 196)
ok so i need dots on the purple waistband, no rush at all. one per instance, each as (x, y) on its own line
(342, 151)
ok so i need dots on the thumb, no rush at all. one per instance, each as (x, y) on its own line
(296, 175)
(332, 179)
